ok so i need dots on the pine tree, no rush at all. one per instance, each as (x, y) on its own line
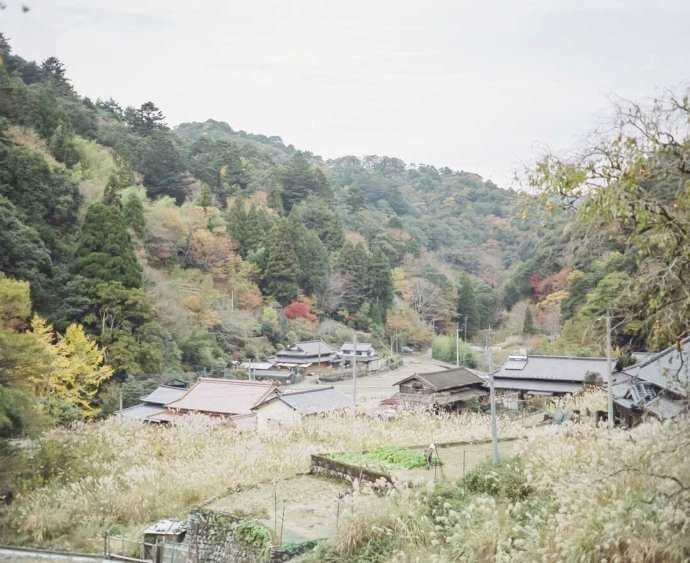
(104, 249)
(467, 306)
(280, 278)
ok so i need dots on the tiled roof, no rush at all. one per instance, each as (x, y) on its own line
(537, 385)
(311, 348)
(223, 396)
(163, 395)
(311, 401)
(446, 379)
(140, 412)
(363, 347)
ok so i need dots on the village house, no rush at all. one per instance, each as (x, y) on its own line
(268, 371)
(549, 375)
(229, 398)
(448, 389)
(289, 408)
(657, 386)
(154, 403)
(363, 352)
(313, 353)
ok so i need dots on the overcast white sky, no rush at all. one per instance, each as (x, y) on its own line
(479, 85)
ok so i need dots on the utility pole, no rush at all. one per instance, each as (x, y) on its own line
(465, 338)
(609, 370)
(492, 400)
(354, 369)
(457, 345)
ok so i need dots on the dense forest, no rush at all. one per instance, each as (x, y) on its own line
(130, 249)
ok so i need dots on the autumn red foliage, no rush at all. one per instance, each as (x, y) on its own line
(299, 310)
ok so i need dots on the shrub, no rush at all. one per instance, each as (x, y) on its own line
(443, 348)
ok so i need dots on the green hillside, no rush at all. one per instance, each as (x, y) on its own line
(171, 250)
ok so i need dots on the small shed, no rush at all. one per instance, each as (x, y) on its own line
(288, 408)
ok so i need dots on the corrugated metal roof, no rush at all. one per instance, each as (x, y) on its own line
(669, 369)
(553, 368)
(223, 396)
(163, 395)
(446, 379)
(536, 385)
(140, 412)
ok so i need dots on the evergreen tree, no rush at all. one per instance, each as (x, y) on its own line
(379, 285)
(313, 261)
(353, 263)
(205, 198)
(300, 180)
(528, 326)
(467, 306)
(134, 215)
(104, 250)
(280, 277)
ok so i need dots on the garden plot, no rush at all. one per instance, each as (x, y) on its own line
(408, 465)
(456, 460)
(312, 505)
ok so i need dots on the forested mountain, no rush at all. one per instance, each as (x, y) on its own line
(129, 249)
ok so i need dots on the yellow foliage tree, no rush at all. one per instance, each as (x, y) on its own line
(75, 371)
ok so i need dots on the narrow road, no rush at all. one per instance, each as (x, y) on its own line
(22, 555)
(373, 388)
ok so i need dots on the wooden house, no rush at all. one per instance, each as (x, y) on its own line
(448, 389)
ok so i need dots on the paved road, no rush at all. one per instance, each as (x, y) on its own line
(27, 556)
(373, 388)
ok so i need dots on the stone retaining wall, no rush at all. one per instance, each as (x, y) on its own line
(322, 465)
(218, 537)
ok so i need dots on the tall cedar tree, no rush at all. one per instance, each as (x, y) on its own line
(380, 285)
(353, 263)
(467, 306)
(312, 257)
(104, 251)
(280, 278)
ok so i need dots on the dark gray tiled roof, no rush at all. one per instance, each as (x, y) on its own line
(163, 395)
(446, 379)
(311, 401)
(537, 385)
(140, 412)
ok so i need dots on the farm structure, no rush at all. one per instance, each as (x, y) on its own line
(448, 389)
